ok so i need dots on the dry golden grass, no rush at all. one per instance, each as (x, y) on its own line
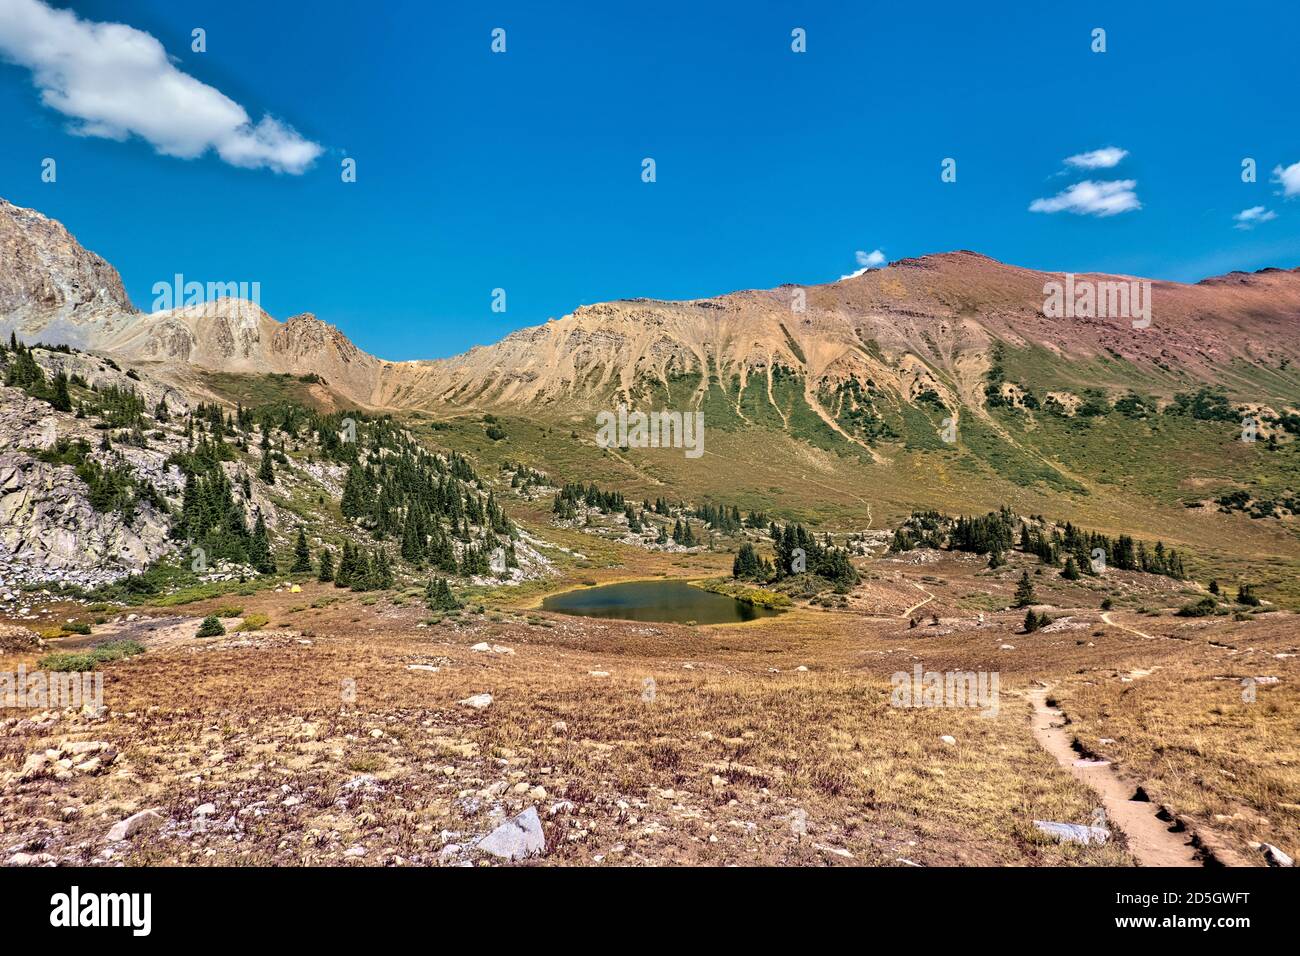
(740, 757)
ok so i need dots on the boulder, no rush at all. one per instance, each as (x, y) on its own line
(1073, 832)
(125, 829)
(517, 838)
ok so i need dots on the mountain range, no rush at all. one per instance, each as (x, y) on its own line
(852, 352)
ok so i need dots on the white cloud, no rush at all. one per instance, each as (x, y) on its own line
(1252, 217)
(116, 81)
(1289, 178)
(1090, 198)
(868, 261)
(1098, 158)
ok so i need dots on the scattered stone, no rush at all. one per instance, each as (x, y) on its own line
(517, 838)
(478, 701)
(837, 850)
(1276, 857)
(125, 829)
(949, 739)
(1073, 832)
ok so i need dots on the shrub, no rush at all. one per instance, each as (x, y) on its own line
(254, 622)
(1202, 608)
(116, 650)
(211, 627)
(67, 662)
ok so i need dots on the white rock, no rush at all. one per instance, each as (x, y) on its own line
(1276, 856)
(206, 810)
(1073, 832)
(478, 701)
(125, 829)
(949, 739)
(516, 838)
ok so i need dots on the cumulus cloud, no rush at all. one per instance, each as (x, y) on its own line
(868, 261)
(1104, 158)
(1252, 217)
(115, 81)
(1090, 198)
(1289, 178)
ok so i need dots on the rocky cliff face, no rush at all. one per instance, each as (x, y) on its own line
(51, 288)
(48, 529)
(50, 532)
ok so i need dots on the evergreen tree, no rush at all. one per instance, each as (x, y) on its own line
(265, 471)
(439, 597)
(61, 400)
(1024, 591)
(211, 627)
(383, 571)
(347, 566)
(363, 572)
(326, 565)
(259, 548)
(1071, 570)
(301, 555)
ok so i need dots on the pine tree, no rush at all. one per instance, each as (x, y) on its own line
(383, 571)
(1032, 622)
(265, 472)
(211, 627)
(363, 571)
(259, 548)
(439, 597)
(301, 555)
(747, 565)
(1024, 591)
(326, 565)
(61, 400)
(1071, 570)
(347, 566)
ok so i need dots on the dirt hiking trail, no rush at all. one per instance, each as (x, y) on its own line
(1149, 838)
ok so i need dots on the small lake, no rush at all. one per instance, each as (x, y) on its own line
(674, 602)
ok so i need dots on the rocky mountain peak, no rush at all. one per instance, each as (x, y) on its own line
(51, 287)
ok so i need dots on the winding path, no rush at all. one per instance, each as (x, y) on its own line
(1149, 838)
(929, 598)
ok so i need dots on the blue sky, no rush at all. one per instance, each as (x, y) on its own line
(522, 170)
